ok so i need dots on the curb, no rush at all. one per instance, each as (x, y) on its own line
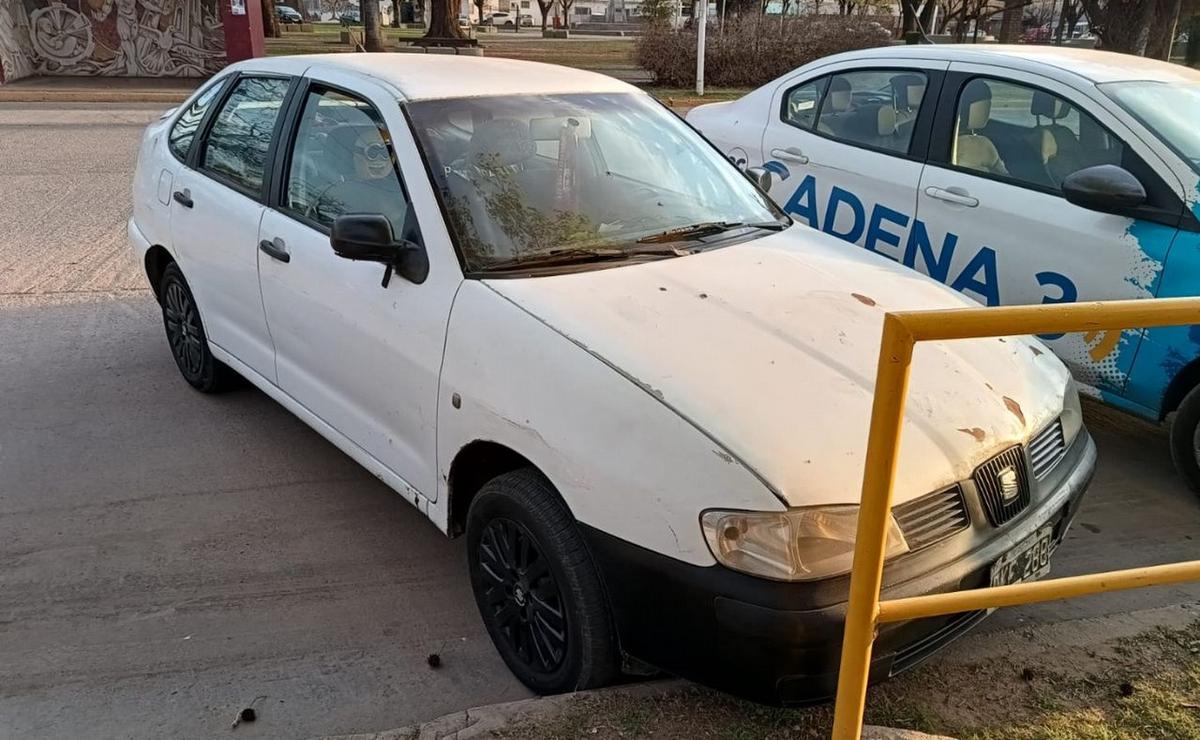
(485, 721)
(92, 96)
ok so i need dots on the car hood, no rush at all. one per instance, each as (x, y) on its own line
(770, 347)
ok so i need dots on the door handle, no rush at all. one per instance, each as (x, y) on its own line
(957, 196)
(183, 197)
(275, 248)
(790, 154)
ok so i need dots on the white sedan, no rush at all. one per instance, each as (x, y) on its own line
(542, 309)
(1015, 174)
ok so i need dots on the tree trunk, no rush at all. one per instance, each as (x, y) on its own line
(1121, 25)
(443, 20)
(395, 13)
(372, 32)
(270, 20)
(1162, 32)
(545, 8)
(1010, 22)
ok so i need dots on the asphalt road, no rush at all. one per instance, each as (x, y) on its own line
(167, 558)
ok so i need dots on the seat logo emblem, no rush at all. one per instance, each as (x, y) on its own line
(1010, 484)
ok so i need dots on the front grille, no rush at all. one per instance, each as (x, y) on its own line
(1002, 497)
(932, 518)
(1047, 449)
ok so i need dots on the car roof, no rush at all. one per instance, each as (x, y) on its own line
(1058, 61)
(432, 76)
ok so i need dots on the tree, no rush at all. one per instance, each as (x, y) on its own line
(545, 6)
(395, 13)
(479, 10)
(443, 20)
(659, 11)
(1166, 22)
(372, 32)
(1121, 25)
(566, 11)
(270, 20)
(1010, 22)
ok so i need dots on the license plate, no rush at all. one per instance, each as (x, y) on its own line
(1028, 561)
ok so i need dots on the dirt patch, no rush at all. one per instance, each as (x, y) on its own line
(1141, 686)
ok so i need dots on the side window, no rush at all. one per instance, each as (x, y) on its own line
(237, 143)
(343, 162)
(876, 108)
(184, 130)
(800, 103)
(1029, 135)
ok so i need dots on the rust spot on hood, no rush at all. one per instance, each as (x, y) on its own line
(863, 299)
(1015, 408)
(704, 295)
(1036, 352)
(975, 432)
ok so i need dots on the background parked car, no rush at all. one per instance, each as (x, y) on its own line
(288, 14)
(1015, 174)
(507, 19)
(351, 17)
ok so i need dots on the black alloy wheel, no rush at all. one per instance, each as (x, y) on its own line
(522, 595)
(539, 593)
(185, 334)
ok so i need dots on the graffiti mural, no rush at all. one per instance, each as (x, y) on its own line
(132, 38)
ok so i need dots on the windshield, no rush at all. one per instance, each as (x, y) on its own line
(1170, 109)
(596, 176)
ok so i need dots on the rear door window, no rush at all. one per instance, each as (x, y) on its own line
(184, 131)
(236, 147)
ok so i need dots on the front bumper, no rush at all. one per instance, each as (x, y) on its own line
(780, 643)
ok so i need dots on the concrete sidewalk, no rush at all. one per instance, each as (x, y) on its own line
(98, 89)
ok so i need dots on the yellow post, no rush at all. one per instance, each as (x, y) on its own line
(901, 331)
(883, 444)
(933, 605)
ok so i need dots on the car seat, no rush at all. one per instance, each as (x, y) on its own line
(907, 91)
(1061, 151)
(974, 150)
(874, 125)
(836, 107)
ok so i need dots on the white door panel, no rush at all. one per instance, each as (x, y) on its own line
(217, 243)
(363, 357)
(1009, 237)
(857, 193)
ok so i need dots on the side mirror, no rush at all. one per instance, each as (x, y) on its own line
(1106, 188)
(761, 177)
(368, 237)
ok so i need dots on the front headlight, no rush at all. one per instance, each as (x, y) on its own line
(1072, 415)
(793, 545)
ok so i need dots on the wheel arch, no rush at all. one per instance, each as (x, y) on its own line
(1182, 384)
(156, 260)
(474, 465)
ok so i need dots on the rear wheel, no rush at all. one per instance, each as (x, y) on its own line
(1185, 439)
(536, 587)
(185, 333)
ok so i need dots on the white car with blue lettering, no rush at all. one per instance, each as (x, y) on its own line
(1015, 174)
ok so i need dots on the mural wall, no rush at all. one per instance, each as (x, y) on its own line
(132, 38)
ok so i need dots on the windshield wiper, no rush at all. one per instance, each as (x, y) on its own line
(708, 228)
(582, 255)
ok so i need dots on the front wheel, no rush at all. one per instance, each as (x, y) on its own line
(1185, 439)
(536, 587)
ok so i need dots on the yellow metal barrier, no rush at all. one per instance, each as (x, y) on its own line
(901, 331)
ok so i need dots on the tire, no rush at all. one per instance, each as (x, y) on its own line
(1185, 439)
(186, 337)
(534, 580)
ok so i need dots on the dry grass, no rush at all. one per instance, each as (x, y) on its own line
(1132, 689)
